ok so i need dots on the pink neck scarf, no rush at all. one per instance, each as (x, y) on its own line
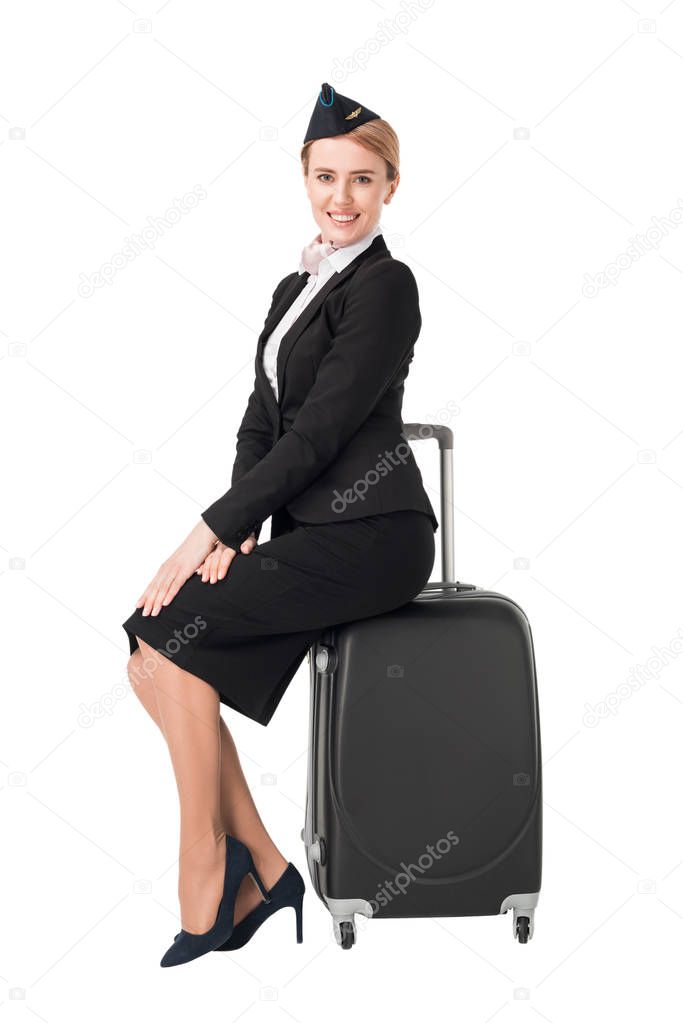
(314, 253)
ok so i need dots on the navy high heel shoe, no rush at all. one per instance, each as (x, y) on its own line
(186, 945)
(288, 890)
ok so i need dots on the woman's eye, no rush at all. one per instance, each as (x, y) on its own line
(364, 176)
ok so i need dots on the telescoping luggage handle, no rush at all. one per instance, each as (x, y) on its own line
(444, 436)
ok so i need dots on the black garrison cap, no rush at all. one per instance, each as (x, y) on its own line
(335, 114)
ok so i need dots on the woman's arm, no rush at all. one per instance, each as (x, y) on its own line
(380, 325)
(254, 438)
(254, 441)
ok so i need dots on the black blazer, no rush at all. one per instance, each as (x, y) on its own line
(331, 448)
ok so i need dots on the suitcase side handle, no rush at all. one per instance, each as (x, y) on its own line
(444, 436)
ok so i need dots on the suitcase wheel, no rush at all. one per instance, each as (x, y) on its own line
(522, 929)
(347, 934)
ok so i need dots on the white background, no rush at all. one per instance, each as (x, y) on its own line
(538, 139)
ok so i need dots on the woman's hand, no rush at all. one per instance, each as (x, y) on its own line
(217, 563)
(178, 568)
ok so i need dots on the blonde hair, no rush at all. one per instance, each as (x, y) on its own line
(377, 135)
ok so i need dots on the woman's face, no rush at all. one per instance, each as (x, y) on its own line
(346, 179)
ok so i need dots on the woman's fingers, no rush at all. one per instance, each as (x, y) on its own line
(149, 598)
(173, 589)
(206, 566)
(159, 597)
(156, 605)
(158, 590)
(221, 563)
(216, 564)
(224, 560)
(176, 570)
(200, 570)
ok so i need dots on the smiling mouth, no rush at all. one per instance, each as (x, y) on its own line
(344, 219)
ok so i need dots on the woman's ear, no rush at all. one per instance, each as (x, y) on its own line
(392, 188)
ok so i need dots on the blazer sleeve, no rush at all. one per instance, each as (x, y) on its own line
(379, 327)
(254, 437)
(254, 440)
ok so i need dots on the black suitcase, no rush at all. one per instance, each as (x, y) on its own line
(424, 764)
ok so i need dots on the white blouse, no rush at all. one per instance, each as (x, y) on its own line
(334, 263)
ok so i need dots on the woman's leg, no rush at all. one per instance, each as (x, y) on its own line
(244, 822)
(140, 677)
(188, 711)
(238, 812)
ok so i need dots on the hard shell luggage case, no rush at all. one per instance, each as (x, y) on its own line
(424, 772)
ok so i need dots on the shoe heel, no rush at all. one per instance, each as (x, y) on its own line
(299, 910)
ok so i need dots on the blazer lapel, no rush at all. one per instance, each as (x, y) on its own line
(304, 318)
(290, 294)
(292, 335)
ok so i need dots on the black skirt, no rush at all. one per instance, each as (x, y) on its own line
(247, 634)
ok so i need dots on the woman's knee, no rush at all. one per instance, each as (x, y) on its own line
(145, 660)
(143, 687)
(140, 670)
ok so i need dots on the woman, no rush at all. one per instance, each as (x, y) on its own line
(321, 450)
